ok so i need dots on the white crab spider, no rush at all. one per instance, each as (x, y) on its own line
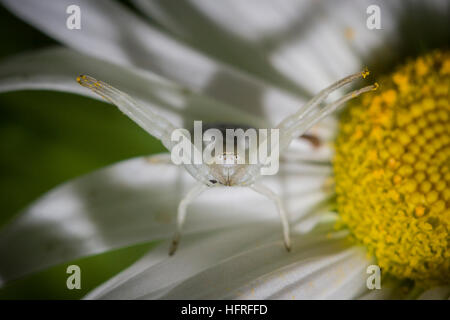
(225, 174)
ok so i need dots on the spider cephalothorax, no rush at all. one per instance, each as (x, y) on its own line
(229, 169)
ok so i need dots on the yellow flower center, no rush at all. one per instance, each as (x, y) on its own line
(392, 170)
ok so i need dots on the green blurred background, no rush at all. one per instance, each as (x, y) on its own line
(47, 138)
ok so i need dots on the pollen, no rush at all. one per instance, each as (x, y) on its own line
(365, 73)
(392, 171)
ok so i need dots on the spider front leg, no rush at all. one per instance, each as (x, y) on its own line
(153, 123)
(182, 210)
(298, 123)
(283, 215)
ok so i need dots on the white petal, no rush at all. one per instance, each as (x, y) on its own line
(331, 272)
(337, 40)
(321, 54)
(210, 264)
(252, 20)
(156, 273)
(303, 41)
(57, 69)
(136, 201)
(310, 42)
(111, 32)
(437, 293)
(243, 263)
(218, 30)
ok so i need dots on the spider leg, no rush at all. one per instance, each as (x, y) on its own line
(308, 115)
(307, 122)
(182, 210)
(154, 124)
(283, 215)
(151, 122)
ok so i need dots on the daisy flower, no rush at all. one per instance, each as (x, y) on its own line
(370, 187)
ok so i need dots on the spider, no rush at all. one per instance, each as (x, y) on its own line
(234, 174)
